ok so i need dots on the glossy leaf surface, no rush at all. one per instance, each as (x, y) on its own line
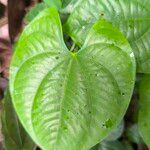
(70, 100)
(130, 16)
(144, 113)
(69, 5)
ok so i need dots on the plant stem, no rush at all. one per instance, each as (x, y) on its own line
(72, 47)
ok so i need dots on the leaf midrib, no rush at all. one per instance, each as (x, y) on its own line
(66, 81)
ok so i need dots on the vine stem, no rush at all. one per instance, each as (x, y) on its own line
(72, 47)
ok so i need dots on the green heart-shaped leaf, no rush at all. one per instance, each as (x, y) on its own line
(70, 100)
(144, 113)
(130, 16)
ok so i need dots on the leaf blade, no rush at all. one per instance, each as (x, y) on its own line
(62, 88)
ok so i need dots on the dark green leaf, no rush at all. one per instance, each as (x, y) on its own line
(70, 100)
(109, 145)
(144, 112)
(127, 145)
(15, 137)
(133, 134)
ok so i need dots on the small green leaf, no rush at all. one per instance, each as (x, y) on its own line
(130, 16)
(15, 137)
(133, 134)
(127, 145)
(53, 3)
(34, 11)
(144, 112)
(70, 100)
